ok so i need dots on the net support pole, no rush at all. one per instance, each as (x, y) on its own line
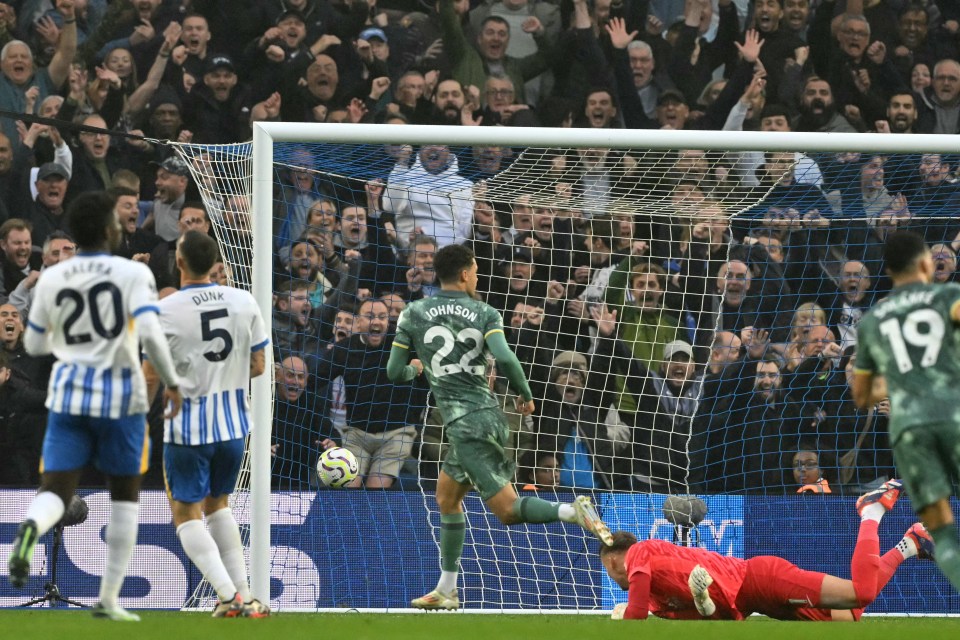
(261, 391)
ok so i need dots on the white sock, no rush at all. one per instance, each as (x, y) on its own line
(567, 513)
(448, 581)
(46, 509)
(121, 536)
(908, 548)
(873, 511)
(226, 533)
(203, 551)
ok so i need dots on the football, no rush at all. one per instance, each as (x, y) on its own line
(337, 467)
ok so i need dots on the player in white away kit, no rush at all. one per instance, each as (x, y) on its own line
(92, 312)
(218, 341)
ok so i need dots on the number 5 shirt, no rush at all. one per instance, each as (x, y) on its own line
(212, 331)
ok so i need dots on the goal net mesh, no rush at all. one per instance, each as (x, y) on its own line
(686, 320)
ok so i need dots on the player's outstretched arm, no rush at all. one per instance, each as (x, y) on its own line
(862, 390)
(397, 368)
(35, 341)
(508, 363)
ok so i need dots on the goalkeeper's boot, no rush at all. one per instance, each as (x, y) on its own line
(255, 609)
(22, 553)
(886, 495)
(435, 601)
(699, 582)
(922, 538)
(118, 614)
(230, 609)
(589, 519)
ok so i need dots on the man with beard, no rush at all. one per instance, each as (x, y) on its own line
(851, 300)
(449, 101)
(135, 243)
(300, 426)
(749, 440)
(818, 111)
(218, 109)
(942, 114)
(46, 211)
(901, 114)
(444, 212)
(58, 247)
(18, 259)
(381, 415)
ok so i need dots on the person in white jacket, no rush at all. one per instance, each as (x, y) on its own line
(430, 197)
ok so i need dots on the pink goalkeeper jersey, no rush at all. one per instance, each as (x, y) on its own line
(669, 567)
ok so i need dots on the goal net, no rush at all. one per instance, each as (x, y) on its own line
(685, 306)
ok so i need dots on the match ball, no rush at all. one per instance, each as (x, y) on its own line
(337, 467)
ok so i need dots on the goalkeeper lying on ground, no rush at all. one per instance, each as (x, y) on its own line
(685, 583)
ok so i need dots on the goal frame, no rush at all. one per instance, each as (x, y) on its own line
(265, 134)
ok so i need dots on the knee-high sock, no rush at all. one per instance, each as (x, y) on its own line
(121, 535)
(529, 509)
(453, 530)
(948, 552)
(889, 563)
(226, 533)
(203, 551)
(46, 509)
(865, 564)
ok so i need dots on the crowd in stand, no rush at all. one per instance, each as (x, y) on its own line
(670, 348)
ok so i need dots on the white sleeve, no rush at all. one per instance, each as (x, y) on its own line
(64, 156)
(35, 336)
(462, 214)
(736, 117)
(157, 348)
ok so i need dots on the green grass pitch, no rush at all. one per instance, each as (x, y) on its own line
(170, 625)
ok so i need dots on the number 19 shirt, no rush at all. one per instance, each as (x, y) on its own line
(910, 339)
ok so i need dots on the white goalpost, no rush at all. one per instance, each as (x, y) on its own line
(246, 233)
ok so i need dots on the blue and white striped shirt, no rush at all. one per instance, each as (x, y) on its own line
(212, 331)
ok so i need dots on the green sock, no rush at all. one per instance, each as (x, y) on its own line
(453, 529)
(947, 553)
(531, 509)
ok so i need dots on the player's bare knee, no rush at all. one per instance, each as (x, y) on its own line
(937, 515)
(507, 516)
